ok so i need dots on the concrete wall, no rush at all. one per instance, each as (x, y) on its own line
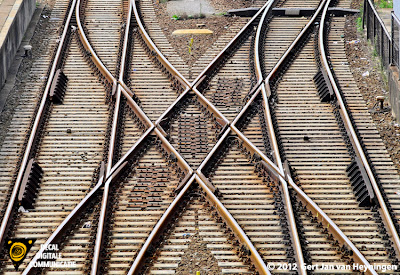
(18, 21)
(394, 91)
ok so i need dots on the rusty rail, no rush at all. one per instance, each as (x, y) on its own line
(210, 107)
(229, 219)
(154, 48)
(93, 56)
(113, 134)
(115, 170)
(353, 136)
(111, 151)
(181, 162)
(313, 207)
(332, 227)
(36, 125)
(224, 213)
(257, 44)
(158, 227)
(207, 71)
(271, 135)
(271, 168)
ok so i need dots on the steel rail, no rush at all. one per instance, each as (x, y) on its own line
(93, 56)
(138, 111)
(158, 227)
(231, 43)
(34, 131)
(113, 134)
(139, 258)
(116, 166)
(274, 171)
(100, 229)
(56, 235)
(114, 129)
(111, 151)
(104, 204)
(271, 134)
(284, 186)
(172, 106)
(314, 208)
(114, 174)
(333, 228)
(292, 46)
(123, 160)
(309, 203)
(172, 150)
(112, 171)
(257, 62)
(224, 213)
(124, 87)
(224, 121)
(154, 48)
(230, 220)
(272, 168)
(257, 90)
(353, 136)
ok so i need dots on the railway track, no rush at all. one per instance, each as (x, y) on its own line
(167, 176)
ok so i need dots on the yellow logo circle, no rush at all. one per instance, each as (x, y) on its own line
(17, 251)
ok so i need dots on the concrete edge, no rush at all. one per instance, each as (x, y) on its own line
(14, 27)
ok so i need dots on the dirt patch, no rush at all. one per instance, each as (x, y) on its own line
(190, 50)
(362, 60)
(198, 258)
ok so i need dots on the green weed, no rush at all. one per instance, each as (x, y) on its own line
(359, 24)
(385, 4)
